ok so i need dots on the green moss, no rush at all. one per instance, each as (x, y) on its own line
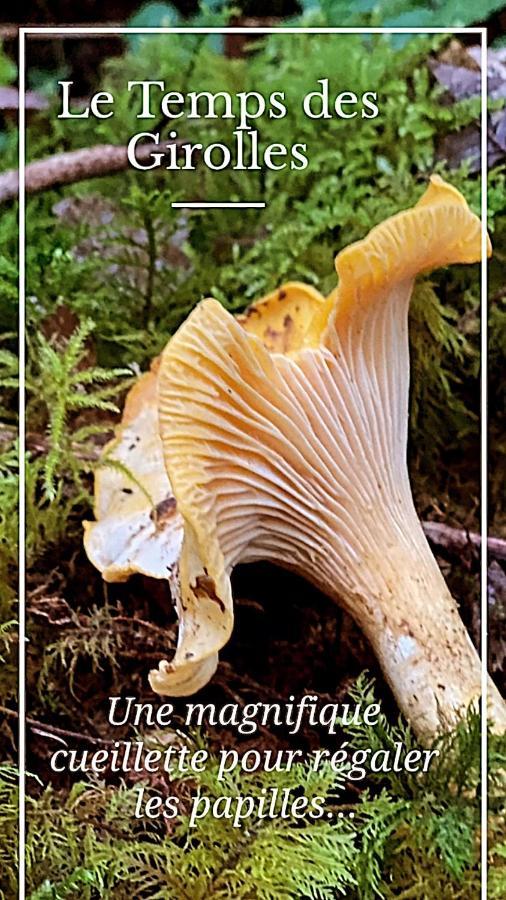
(409, 836)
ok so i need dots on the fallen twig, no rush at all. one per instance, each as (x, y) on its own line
(74, 166)
(44, 729)
(10, 31)
(458, 539)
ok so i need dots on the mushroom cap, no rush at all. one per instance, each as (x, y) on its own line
(299, 456)
(137, 527)
(283, 319)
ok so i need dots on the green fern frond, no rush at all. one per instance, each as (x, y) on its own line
(68, 386)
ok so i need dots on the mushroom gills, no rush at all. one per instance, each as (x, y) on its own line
(299, 457)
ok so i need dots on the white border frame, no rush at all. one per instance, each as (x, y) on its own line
(84, 31)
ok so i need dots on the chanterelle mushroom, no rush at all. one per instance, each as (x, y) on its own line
(300, 458)
(137, 528)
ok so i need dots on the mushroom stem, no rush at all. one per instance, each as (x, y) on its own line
(427, 658)
(435, 677)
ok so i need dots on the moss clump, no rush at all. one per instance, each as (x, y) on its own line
(401, 836)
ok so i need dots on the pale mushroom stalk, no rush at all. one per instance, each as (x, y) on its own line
(300, 458)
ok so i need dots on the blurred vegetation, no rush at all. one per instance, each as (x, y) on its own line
(111, 273)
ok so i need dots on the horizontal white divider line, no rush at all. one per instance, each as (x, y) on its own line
(218, 205)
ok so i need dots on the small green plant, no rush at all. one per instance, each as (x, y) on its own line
(91, 637)
(9, 811)
(8, 570)
(68, 387)
(8, 377)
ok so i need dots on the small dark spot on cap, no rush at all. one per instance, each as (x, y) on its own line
(126, 491)
(205, 585)
(163, 510)
(272, 334)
